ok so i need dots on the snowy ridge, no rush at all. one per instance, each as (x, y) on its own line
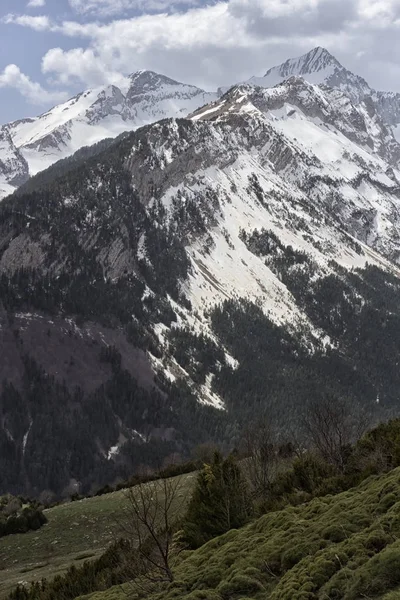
(90, 117)
(145, 97)
(277, 160)
(253, 163)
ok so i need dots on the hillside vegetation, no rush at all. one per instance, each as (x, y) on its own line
(19, 516)
(75, 532)
(320, 524)
(335, 547)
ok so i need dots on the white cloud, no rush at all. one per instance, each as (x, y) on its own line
(13, 78)
(79, 65)
(42, 23)
(104, 8)
(181, 45)
(196, 28)
(36, 3)
(221, 42)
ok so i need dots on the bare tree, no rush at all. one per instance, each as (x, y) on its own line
(149, 523)
(262, 457)
(331, 426)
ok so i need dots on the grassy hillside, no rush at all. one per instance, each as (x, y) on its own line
(343, 547)
(75, 531)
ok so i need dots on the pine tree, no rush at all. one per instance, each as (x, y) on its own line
(220, 502)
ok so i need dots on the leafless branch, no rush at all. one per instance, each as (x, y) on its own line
(150, 523)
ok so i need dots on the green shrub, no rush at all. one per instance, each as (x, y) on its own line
(29, 519)
(239, 584)
(203, 595)
(335, 533)
(377, 541)
(294, 555)
(380, 574)
(387, 502)
(212, 577)
(220, 502)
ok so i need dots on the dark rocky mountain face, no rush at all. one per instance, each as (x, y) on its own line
(192, 277)
(75, 329)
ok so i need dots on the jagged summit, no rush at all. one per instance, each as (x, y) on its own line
(318, 66)
(313, 61)
(151, 79)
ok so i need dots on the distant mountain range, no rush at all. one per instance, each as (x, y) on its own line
(165, 288)
(31, 145)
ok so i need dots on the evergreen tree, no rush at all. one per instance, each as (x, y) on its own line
(220, 502)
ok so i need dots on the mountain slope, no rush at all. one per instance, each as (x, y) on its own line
(14, 170)
(321, 143)
(337, 546)
(321, 68)
(201, 272)
(36, 556)
(93, 116)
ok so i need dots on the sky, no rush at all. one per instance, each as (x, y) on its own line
(52, 49)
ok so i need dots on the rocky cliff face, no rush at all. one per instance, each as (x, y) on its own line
(14, 170)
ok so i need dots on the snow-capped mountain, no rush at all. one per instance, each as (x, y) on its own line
(320, 67)
(194, 274)
(88, 118)
(31, 145)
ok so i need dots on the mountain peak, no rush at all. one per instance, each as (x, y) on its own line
(314, 61)
(91, 116)
(318, 55)
(318, 67)
(151, 78)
